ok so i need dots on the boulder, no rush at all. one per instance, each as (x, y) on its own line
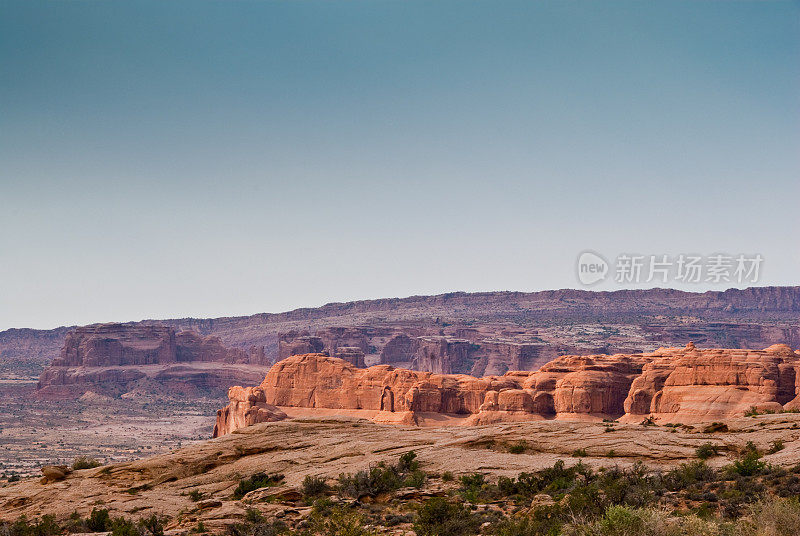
(54, 473)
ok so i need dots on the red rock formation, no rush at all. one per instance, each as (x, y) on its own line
(294, 343)
(352, 354)
(400, 349)
(690, 384)
(573, 387)
(117, 344)
(328, 340)
(191, 346)
(112, 358)
(500, 355)
(588, 385)
(676, 384)
(247, 407)
(444, 355)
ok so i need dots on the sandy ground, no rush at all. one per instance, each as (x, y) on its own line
(34, 432)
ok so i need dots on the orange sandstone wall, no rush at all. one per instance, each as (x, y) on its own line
(672, 384)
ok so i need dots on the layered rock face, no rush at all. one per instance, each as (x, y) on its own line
(444, 355)
(114, 344)
(328, 340)
(247, 407)
(399, 349)
(352, 354)
(693, 384)
(643, 320)
(499, 356)
(470, 351)
(673, 384)
(110, 358)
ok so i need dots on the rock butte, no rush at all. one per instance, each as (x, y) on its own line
(111, 359)
(669, 385)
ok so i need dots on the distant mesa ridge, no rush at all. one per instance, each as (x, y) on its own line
(480, 334)
(678, 385)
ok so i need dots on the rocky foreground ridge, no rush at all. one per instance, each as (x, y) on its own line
(676, 385)
(198, 483)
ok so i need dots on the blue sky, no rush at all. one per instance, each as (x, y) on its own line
(170, 159)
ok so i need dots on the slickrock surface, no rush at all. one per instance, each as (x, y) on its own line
(669, 385)
(297, 448)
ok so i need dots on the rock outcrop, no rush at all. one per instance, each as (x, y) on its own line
(444, 355)
(247, 407)
(691, 384)
(352, 354)
(399, 349)
(326, 340)
(111, 359)
(671, 384)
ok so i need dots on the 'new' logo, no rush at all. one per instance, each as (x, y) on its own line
(592, 268)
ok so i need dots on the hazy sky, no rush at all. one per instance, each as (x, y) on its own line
(173, 159)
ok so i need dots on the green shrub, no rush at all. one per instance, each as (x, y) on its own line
(473, 486)
(99, 520)
(579, 453)
(543, 521)
(44, 526)
(195, 495)
(314, 486)
(382, 477)
(84, 462)
(518, 448)
(448, 476)
(777, 517)
(256, 525)
(376, 480)
(257, 481)
(688, 474)
(153, 524)
(632, 486)
(748, 465)
(438, 517)
(408, 462)
(124, 527)
(715, 427)
(706, 451)
(416, 479)
(392, 520)
(341, 522)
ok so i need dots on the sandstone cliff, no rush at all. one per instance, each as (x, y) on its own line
(671, 385)
(112, 359)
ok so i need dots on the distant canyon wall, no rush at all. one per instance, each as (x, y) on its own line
(116, 358)
(669, 385)
(736, 318)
